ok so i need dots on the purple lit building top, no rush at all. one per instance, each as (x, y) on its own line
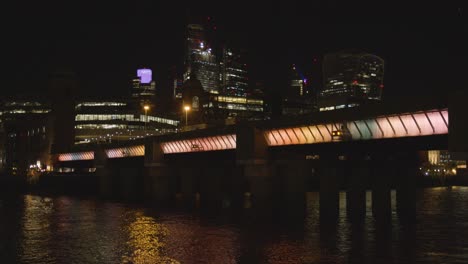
(145, 75)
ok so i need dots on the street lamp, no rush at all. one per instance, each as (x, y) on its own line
(186, 108)
(146, 107)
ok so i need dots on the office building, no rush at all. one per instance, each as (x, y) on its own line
(200, 59)
(233, 73)
(240, 107)
(177, 88)
(296, 98)
(25, 134)
(104, 120)
(350, 79)
(143, 86)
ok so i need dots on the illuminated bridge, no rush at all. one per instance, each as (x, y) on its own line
(375, 147)
(412, 124)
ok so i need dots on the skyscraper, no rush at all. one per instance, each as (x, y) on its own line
(295, 99)
(200, 59)
(297, 83)
(144, 88)
(233, 73)
(350, 79)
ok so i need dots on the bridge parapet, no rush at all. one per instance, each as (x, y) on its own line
(421, 123)
(408, 124)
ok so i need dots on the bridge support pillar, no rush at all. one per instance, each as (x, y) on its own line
(211, 187)
(103, 172)
(129, 178)
(290, 187)
(356, 191)
(253, 167)
(156, 174)
(382, 173)
(157, 182)
(406, 193)
(406, 186)
(329, 192)
(260, 186)
(188, 184)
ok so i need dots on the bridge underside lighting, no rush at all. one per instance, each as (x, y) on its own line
(424, 123)
(88, 155)
(133, 151)
(223, 142)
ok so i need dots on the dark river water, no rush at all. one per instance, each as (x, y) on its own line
(41, 229)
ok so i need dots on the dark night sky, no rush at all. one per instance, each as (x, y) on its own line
(424, 47)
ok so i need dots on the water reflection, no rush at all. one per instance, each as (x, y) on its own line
(36, 235)
(201, 239)
(36, 229)
(145, 241)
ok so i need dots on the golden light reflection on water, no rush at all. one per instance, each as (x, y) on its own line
(145, 241)
(36, 228)
(69, 230)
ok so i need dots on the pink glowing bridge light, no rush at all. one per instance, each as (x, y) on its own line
(222, 142)
(423, 123)
(88, 155)
(133, 151)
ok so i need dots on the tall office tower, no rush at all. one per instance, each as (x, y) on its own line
(144, 88)
(350, 79)
(175, 82)
(200, 59)
(297, 83)
(177, 88)
(233, 73)
(295, 99)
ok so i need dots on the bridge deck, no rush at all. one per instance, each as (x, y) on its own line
(408, 124)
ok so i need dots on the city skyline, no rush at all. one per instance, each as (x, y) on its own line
(104, 50)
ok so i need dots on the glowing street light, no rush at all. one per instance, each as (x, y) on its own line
(146, 107)
(186, 108)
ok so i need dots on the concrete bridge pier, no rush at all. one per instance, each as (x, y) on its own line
(129, 180)
(254, 167)
(383, 171)
(406, 193)
(406, 181)
(212, 187)
(157, 187)
(258, 176)
(156, 175)
(329, 191)
(290, 187)
(189, 176)
(103, 172)
(357, 177)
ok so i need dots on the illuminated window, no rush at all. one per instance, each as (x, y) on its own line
(195, 102)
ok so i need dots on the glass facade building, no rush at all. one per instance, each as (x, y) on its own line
(233, 73)
(295, 100)
(350, 79)
(144, 88)
(200, 60)
(119, 119)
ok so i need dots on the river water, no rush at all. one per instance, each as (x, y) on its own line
(42, 229)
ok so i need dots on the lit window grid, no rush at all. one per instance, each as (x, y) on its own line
(98, 104)
(434, 122)
(125, 117)
(100, 126)
(223, 142)
(88, 155)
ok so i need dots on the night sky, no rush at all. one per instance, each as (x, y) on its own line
(424, 47)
